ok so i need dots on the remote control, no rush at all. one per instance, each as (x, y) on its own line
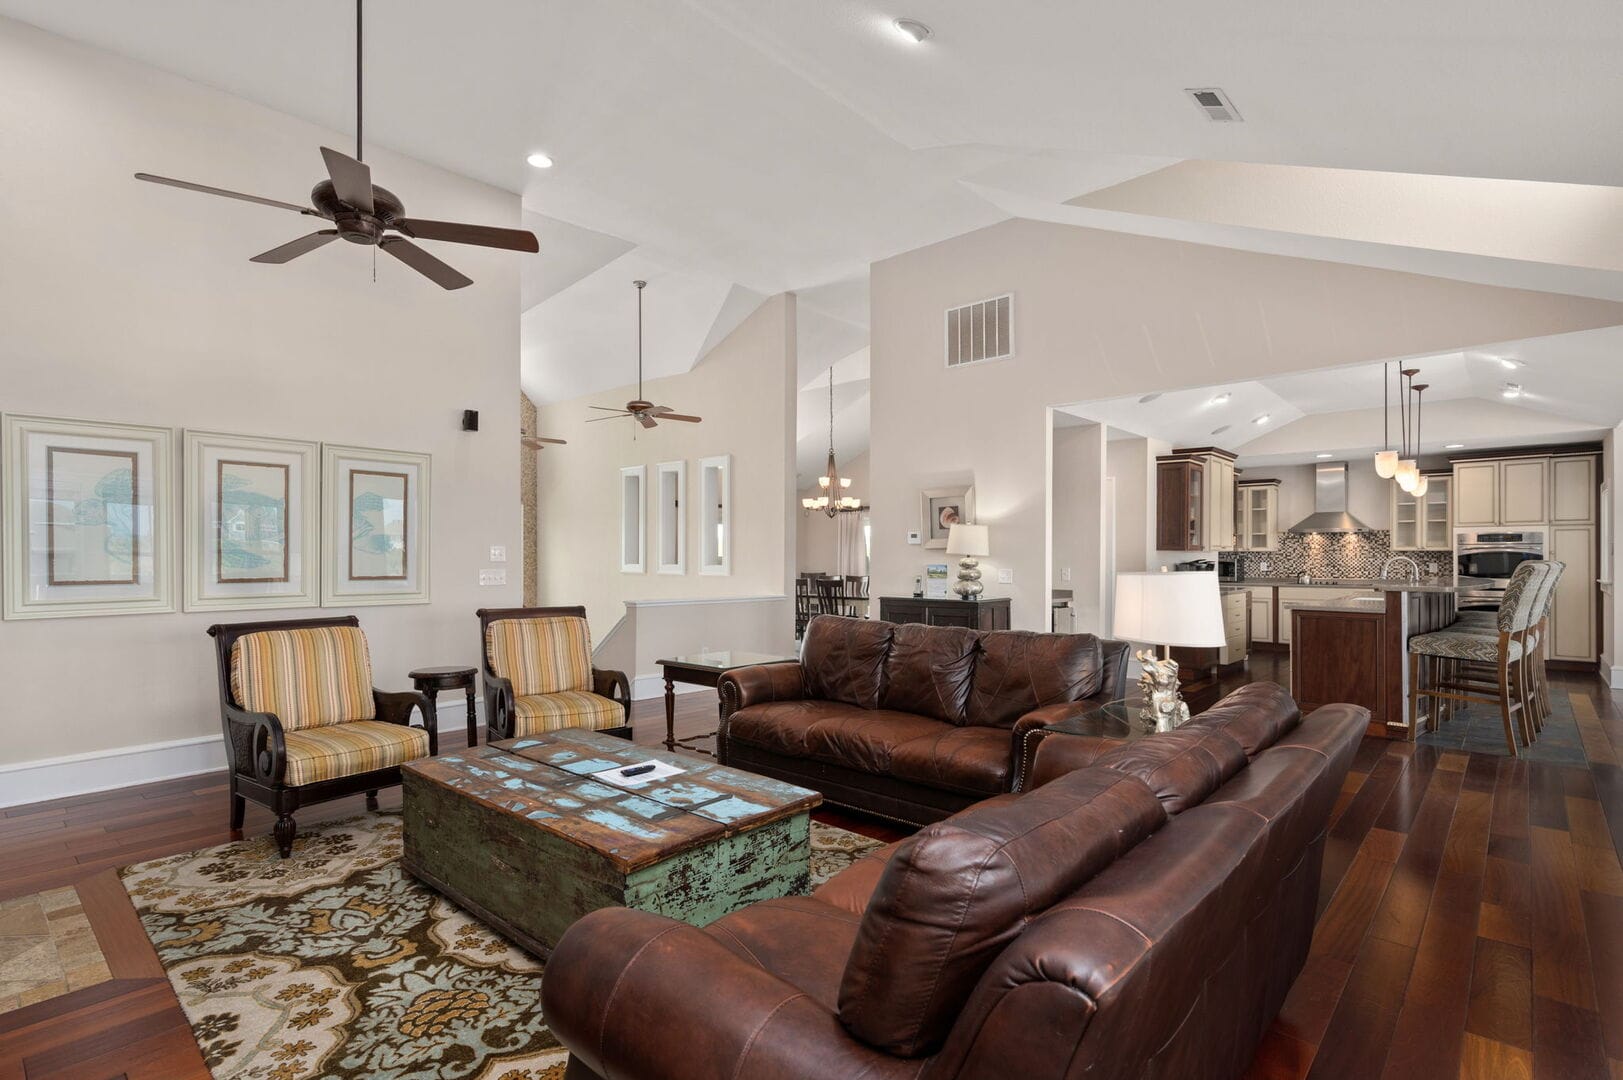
(636, 770)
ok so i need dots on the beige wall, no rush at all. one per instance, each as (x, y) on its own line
(1100, 314)
(816, 532)
(744, 389)
(131, 302)
(1079, 520)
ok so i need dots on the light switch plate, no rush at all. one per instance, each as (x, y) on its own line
(493, 577)
(1065, 573)
(498, 553)
(914, 538)
(1005, 576)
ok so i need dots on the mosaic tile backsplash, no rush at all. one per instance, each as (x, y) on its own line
(1334, 555)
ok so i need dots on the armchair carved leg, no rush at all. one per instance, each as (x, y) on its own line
(284, 832)
(239, 810)
(372, 799)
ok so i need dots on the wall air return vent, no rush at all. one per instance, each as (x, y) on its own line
(1215, 104)
(981, 331)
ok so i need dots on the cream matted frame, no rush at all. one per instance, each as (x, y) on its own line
(358, 526)
(292, 579)
(932, 499)
(69, 550)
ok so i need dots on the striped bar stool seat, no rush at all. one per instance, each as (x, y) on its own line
(1446, 666)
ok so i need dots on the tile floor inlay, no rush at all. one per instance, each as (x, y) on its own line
(47, 948)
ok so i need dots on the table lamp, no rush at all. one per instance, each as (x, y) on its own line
(969, 543)
(1182, 609)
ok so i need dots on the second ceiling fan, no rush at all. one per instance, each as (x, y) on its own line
(646, 412)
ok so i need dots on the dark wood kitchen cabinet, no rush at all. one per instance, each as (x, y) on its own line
(989, 614)
(1180, 487)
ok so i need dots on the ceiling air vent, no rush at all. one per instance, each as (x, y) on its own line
(1215, 104)
(981, 331)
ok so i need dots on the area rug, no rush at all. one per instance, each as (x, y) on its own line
(336, 963)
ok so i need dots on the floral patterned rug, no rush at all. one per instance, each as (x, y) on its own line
(337, 963)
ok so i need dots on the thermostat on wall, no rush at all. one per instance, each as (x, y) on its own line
(914, 538)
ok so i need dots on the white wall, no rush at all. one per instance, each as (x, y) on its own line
(815, 531)
(1102, 314)
(126, 301)
(744, 390)
(1611, 659)
(1078, 520)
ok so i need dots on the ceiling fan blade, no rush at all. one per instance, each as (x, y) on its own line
(646, 421)
(294, 248)
(351, 179)
(457, 233)
(425, 264)
(536, 442)
(616, 416)
(679, 416)
(205, 189)
(605, 408)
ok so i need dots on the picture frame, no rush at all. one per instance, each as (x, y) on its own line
(375, 510)
(938, 504)
(935, 581)
(89, 518)
(253, 522)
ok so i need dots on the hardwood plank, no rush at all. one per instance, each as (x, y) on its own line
(1566, 1042)
(1508, 839)
(1360, 1031)
(1507, 903)
(1346, 920)
(1484, 1059)
(123, 940)
(1399, 812)
(1603, 921)
(1597, 747)
(1402, 913)
(1501, 995)
(1560, 947)
(1547, 790)
(1280, 1057)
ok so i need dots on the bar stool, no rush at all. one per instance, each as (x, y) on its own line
(1453, 657)
(1536, 690)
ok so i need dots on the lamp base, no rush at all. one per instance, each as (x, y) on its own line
(1164, 705)
(969, 585)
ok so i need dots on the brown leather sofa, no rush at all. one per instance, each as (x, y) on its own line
(910, 722)
(1143, 916)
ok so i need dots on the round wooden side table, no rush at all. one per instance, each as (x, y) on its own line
(431, 680)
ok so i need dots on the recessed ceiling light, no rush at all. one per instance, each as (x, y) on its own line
(1455, 446)
(1147, 398)
(912, 30)
(1220, 430)
(1263, 419)
(1220, 399)
(1322, 455)
(539, 160)
(1511, 390)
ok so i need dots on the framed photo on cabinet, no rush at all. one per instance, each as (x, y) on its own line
(89, 518)
(253, 522)
(374, 526)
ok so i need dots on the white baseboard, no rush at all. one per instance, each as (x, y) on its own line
(104, 770)
(1614, 676)
(127, 766)
(645, 687)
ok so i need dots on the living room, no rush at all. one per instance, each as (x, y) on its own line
(721, 388)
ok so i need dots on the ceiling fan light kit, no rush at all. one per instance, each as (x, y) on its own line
(363, 213)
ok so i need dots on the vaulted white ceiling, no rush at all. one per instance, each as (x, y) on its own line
(730, 149)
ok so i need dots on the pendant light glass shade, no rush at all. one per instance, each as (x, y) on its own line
(1408, 474)
(1420, 486)
(1386, 464)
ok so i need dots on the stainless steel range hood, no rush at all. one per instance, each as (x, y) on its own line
(1329, 503)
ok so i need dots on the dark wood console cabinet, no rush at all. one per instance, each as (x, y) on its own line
(990, 614)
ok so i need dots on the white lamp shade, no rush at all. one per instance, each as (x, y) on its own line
(1170, 609)
(968, 540)
(1386, 464)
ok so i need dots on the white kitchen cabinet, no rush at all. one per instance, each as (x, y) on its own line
(1219, 503)
(1476, 494)
(1297, 595)
(1524, 491)
(1235, 617)
(1572, 490)
(1572, 619)
(1257, 516)
(1262, 615)
(1423, 524)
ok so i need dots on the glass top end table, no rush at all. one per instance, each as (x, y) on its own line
(705, 669)
(1115, 723)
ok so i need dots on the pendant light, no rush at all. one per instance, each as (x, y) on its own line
(1386, 459)
(1408, 471)
(832, 499)
(1421, 482)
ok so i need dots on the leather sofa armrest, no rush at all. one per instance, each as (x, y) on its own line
(1028, 734)
(617, 968)
(763, 682)
(605, 683)
(395, 708)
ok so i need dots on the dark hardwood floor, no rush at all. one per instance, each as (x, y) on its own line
(1471, 916)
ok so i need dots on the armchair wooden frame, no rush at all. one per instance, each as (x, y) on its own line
(499, 707)
(256, 747)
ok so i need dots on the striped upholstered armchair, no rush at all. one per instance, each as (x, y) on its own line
(538, 675)
(303, 723)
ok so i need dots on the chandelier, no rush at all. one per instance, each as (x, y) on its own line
(1402, 465)
(832, 498)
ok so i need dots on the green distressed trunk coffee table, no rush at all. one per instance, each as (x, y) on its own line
(521, 835)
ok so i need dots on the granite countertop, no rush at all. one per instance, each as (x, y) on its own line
(1425, 585)
(1376, 604)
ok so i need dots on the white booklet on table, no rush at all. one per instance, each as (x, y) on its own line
(659, 771)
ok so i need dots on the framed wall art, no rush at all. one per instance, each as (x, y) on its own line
(89, 518)
(253, 522)
(375, 526)
(942, 508)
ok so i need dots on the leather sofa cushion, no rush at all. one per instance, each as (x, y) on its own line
(954, 894)
(1182, 767)
(929, 671)
(800, 939)
(973, 760)
(844, 659)
(782, 726)
(1256, 716)
(866, 740)
(850, 889)
(1018, 671)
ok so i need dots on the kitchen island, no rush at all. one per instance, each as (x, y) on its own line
(1355, 648)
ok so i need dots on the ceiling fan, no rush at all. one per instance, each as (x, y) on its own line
(363, 213)
(536, 442)
(647, 413)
